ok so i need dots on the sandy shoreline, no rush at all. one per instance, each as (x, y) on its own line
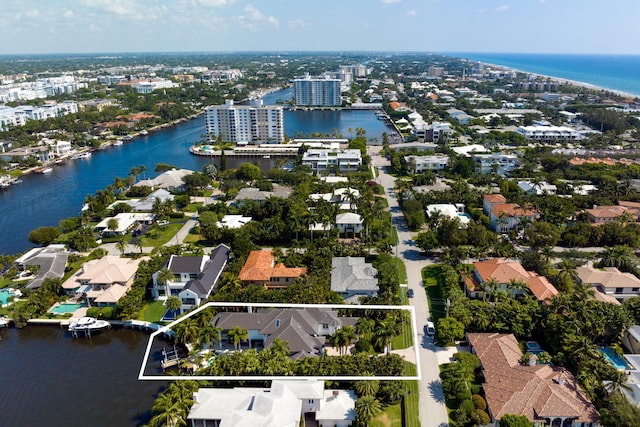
(560, 79)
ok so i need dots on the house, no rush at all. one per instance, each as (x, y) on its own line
(257, 195)
(51, 260)
(102, 282)
(505, 273)
(195, 277)
(610, 282)
(171, 180)
(125, 222)
(466, 150)
(632, 339)
(545, 394)
(353, 278)
(146, 204)
(599, 215)
(233, 221)
(349, 224)
(326, 161)
(304, 330)
(460, 116)
(285, 403)
(345, 198)
(261, 269)
(505, 216)
(435, 163)
(537, 188)
(450, 211)
(499, 163)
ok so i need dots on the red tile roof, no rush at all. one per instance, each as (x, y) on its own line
(261, 267)
(495, 198)
(537, 392)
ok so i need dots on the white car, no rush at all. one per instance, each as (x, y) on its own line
(430, 329)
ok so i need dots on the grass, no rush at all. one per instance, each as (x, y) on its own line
(152, 312)
(192, 207)
(192, 238)
(435, 299)
(162, 235)
(411, 398)
(391, 416)
(402, 272)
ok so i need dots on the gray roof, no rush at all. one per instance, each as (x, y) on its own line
(208, 279)
(146, 204)
(52, 261)
(352, 274)
(250, 193)
(185, 264)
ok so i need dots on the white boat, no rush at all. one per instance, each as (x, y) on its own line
(43, 170)
(118, 142)
(88, 324)
(144, 132)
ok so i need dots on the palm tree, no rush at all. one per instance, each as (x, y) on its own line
(112, 224)
(384, 332)
(367, 408)
(367, 387)
(140, 242)
(187, 331)
(122, 244)
(165, 276)
(238, 334)
(172, 406)
(173, 303)
(208, 335)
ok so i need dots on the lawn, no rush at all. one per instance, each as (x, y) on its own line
(152, 312)
(391, 416)
(411, 398)
(430, 276)
(162, 236)
(402, 272)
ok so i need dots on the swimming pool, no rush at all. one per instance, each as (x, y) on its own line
(613, 358)
(65, 307)
(5, 294)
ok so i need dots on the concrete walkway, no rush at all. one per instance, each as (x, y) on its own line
(433, 412)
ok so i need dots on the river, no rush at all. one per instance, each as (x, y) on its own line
(46, 199)
(49, 378)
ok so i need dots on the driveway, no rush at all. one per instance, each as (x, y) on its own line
(433, 411)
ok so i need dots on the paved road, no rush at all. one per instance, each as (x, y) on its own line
(433, 412)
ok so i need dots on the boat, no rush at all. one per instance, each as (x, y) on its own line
(88, 325)
(144, 132)
(84, 155)
(118, 142)
(43, 170)
(127, 138)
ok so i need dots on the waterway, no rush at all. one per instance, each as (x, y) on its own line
(51, 379)
(43, 200)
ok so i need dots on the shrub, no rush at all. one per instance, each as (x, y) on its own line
(461, 396)
(363, 346)
(467, 406)
(479, 402)
(106, 313)
(93, 312)
(479, 417)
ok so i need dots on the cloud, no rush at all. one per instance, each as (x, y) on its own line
(115, 7)
(255, 20)
(214, 3)
(412, 12)
(390, 1)
(503, 8)
(298, 25)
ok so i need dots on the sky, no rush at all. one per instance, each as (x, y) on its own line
(522, 26)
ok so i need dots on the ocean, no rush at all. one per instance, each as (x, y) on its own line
(614, 72)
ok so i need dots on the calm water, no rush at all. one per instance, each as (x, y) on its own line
(46, 199)
(615, 72)
(50, 379)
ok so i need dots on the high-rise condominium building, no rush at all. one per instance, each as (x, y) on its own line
(245, 123)
(317, 90)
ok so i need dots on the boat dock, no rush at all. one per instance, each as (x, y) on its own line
(170, 358)
(275, 150)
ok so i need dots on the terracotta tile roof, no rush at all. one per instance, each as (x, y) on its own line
(261, 267)
(512, 210)
(604, 212)
(504, 271)
(495, 198)
(532, 391)
(395, 105)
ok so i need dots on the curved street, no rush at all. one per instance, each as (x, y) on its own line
(433, 411)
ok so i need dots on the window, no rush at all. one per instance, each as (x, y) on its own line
(325, 326)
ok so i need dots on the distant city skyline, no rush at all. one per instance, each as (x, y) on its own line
(522, 26)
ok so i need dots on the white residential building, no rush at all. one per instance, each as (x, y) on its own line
(450, 211)
(18, 116)
(549, 133)
(537, 188)
(317, 90)
(332, 160)
(501, 163)
(428, 163)
(150, 85)
(245, 123)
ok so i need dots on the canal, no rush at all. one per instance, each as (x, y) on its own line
(43, 200)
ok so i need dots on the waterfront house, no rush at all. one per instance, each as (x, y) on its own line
(305, 330)
(505, 216)
(195, 277)
(331, 161)
(349, 224)
(261, 268)
(353, 278)
(51, 262)
(545, 394)
(146, 204)
(171, 180)
(285, 403)
(435, 163)
(102, 282)
(609, 282)
(125, 223)
(506, 275)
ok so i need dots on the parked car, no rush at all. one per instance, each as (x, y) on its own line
(410, 293)
(430, 330)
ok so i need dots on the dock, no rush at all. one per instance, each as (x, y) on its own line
(170, 358)
(276, 150)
